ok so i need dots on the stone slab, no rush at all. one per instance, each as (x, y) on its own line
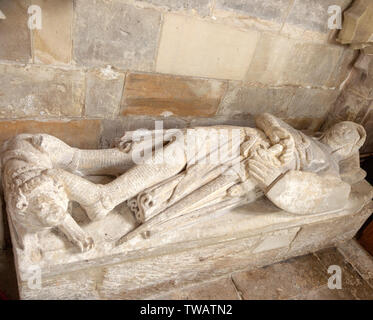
(351, 280)
(194, 250)
(15, 44)
(246, 99)
(52, 44)
(193, 47)
(164, 95)
(104, 89)
(40, 92)
(115, 33)
(282, 61)
(282, 280)
(222, 289)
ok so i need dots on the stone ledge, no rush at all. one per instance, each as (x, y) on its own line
(193, 251)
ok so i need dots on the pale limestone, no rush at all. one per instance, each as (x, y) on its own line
(249, 99)
(149, 272)
(38, 91)
(183, 208)
(278, 60)
(115, 33)
(53, 44)
(15, 44)
(312, 103)
(312, 14)
(104, 89)
(193, 47)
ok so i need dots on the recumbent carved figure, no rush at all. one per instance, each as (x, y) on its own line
(298, 173)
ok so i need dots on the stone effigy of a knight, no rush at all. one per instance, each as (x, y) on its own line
(164, 175)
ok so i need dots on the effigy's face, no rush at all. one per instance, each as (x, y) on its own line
(345, 138)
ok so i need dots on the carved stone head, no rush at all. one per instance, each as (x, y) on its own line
(344, 138)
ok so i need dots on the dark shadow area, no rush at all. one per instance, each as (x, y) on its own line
(365, 234)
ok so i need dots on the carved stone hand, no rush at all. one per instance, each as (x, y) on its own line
(281, 136)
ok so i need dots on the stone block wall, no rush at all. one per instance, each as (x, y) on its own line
(99, 67)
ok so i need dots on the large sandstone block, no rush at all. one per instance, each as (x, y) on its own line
(104, 89)
(115, 33)
(284, 102)
(279, 60)
(313, 103)
(190, 46)
(15, 41)
(37, 91)
(52, 44)
(246, 99)
(155, 94)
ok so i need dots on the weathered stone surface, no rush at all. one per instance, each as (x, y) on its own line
(278, 60)
(115, 33)
(312, 103)
(36, 91)
(104, 89)
(202, 7)
(313, 14)
(222, 289)
(246, 99)
(351, 280)
(324, 293)
(15, 41)
(284, 102)
(205, 225)
(265, 9)
(153, 94)
(343, 68)
(77, 133)
(357, 27)
(273, 282)
(193, 47)
(337, 230)
(53, 44)
(359, 258)
(146, 278)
